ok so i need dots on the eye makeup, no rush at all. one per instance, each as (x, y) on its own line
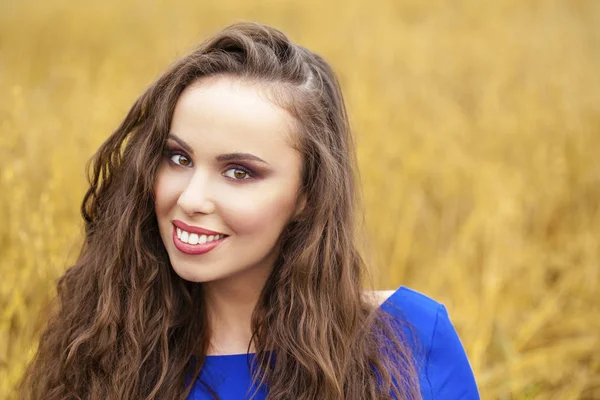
(169, 153)
(234, 167)
(233, 162)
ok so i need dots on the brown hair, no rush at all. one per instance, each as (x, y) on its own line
(127, 327)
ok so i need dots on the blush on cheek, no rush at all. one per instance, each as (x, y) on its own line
(167, 188)
(255, 216)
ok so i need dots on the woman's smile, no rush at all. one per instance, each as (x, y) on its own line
(192, 243)
(191, 239)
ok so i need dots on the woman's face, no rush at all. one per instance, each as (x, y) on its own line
(229, 181)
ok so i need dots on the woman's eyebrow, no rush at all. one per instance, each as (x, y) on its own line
(180, 142)
(221, 157)
(240, 157)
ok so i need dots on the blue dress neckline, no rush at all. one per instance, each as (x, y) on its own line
(228, 356)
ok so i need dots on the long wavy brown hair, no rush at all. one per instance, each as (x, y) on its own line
(126, 326)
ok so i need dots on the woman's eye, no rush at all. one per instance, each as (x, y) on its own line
(237, 174)
(180, 159)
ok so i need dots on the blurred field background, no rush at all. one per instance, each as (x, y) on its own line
(478, 125)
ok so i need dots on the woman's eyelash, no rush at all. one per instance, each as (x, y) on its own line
(241, 168)
(169, 153)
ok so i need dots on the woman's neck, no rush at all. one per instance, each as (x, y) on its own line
(230, 304)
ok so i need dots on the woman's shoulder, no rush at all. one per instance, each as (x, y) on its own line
(419, 310)
(445, 371)
(412, 307)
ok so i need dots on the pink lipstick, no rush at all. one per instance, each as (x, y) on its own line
(195, 249)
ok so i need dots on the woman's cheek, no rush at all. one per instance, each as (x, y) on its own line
(258, 212)
(167, 190)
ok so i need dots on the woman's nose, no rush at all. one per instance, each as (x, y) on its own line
(196, 197)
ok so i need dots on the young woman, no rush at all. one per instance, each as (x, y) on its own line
(220, 258)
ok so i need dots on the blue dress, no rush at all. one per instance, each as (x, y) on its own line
(445, 374)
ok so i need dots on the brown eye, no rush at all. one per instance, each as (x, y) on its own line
(180, 159)
(237, 174)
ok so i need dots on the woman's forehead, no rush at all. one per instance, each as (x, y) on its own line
(226, 113)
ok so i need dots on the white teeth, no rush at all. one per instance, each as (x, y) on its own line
(194, 238)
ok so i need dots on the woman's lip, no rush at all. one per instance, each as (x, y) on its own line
(194, 229)
(195, 248)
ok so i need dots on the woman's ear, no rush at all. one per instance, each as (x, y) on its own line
(300, 205)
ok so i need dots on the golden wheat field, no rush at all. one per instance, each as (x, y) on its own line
(478, 128)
